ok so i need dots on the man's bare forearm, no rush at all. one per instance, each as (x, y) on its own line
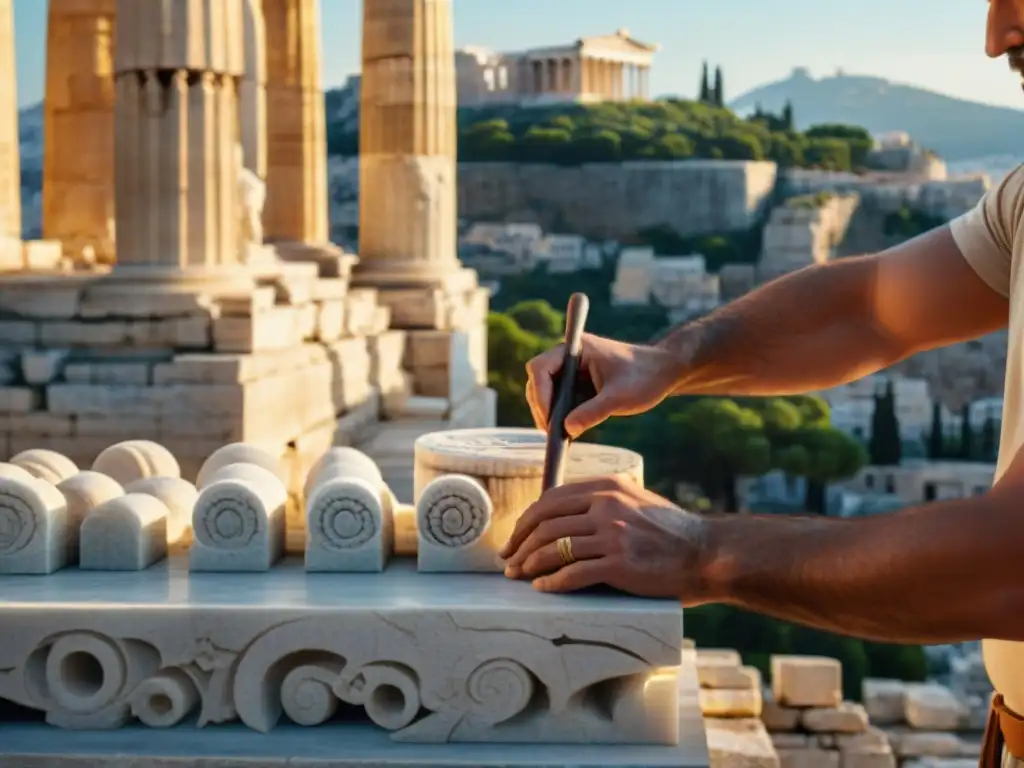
(807, 331)
(947, 572)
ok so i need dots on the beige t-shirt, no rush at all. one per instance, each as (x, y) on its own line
(991, 238)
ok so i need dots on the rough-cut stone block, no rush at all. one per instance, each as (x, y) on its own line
(41, 366)
(848, 717)
(128, 533)
(906, 743)
(133, 460)
(739, 744)
(871, 738)
(82, 493)
(730, 702)
(811, 757)
(449, 658)
(238, 522)
(179, 496)
(718, 675)
(807, 681)
(884, 700)
(931, 707)
(872, 757)
(33, 527)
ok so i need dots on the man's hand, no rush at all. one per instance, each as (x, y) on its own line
(629, 379)
(622, 536)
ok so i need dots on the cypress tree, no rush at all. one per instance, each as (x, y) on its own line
(885, 447)
(787, 116)
(705, 90)
(937, 438)
(989, 438)
(966, 434)
(719, 92)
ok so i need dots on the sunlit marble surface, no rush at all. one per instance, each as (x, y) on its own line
(288, 585)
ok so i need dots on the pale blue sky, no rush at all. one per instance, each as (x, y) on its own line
(934, 43)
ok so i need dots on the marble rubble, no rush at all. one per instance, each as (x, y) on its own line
(430, 658)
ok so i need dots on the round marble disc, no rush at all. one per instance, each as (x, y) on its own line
(516, 452)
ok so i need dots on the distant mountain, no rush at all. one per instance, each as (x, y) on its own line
(955, 128)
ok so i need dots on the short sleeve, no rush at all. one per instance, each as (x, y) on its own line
(985, 234)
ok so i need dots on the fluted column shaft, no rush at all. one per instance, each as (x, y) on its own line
(297, 202)
(407, 210)
(177, 67)
(10, 157)
(78, 157)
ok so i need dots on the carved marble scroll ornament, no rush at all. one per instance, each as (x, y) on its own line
(425, 677)
(453, 520)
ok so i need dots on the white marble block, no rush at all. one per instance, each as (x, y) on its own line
(342, 462)
(46, 465)
(349, 513)
(84, 492)
(33, 527)
(179, 496)
(128, 533)
(509, 464)
(238, 522)
(430, 658)
(14, 472)
(453, 525)
(136, 459)
(237, 453)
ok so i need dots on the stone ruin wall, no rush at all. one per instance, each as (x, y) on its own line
(615, 201)
(799, 718)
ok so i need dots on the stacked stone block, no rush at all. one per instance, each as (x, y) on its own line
(926, 724)
(730, 699)
(294, 366)
(811, 724)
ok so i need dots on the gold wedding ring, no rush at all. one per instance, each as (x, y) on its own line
(564, 545)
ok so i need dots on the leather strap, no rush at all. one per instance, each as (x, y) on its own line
(1005, 728)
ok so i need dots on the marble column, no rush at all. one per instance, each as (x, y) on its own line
(252, 91)
(177, 68)
(407, 170)
(297, 202)
(10, 158)
(78, 114)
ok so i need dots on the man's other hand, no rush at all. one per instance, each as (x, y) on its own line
(621, 535)
(629, 379)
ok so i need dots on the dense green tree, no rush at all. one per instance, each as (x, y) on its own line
(704, 94)
(828, 153)
(885, 444)
(717, 441)
(718, 94)
(538, 317)
(509, 349)
(831, 455)
(937, 436)
(966, 434)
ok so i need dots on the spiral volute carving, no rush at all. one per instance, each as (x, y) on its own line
(306, 694)
(345, 514)
(226, 516)
(500, 689)
(453, 511)
(17, 518)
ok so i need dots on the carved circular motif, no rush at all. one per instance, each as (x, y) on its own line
(225, 518)
(453, 519)
(17, 523)
(500, 689)
(344, 522)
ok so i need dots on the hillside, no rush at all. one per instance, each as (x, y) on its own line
(957, 129)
